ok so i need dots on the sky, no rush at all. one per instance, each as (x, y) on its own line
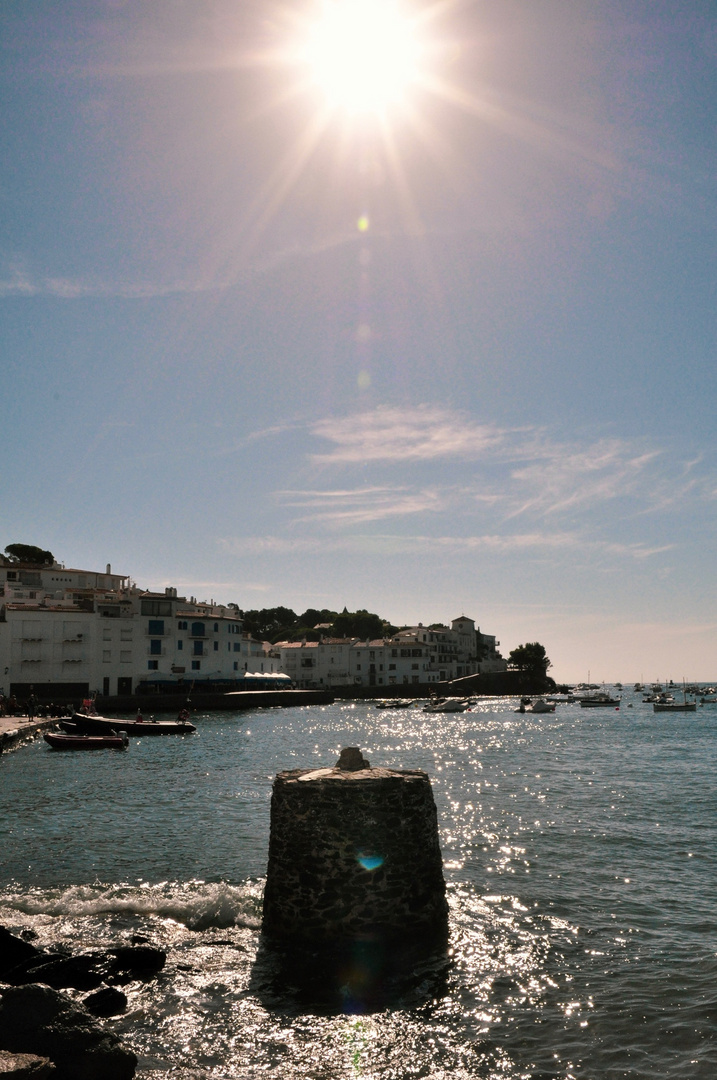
(446, 351)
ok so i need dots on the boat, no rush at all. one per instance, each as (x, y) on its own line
(601, 700)
(446, 705)
(63, 741)
(674, 706)
(83, 724)
(668, 704)
(541, 706)
(395, 703)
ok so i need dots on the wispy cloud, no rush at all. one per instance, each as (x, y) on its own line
(566, 477)
(519, 471)
(394, 435)
(421, 545)
(362, 505)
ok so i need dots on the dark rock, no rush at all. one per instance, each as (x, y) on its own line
(25, 1067)
(352, 760)
(14, 950)
(86, 971)
(106, 1002)
(136, 962)
(36, 1019)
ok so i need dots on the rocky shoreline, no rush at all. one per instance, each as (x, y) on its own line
(45, 1032)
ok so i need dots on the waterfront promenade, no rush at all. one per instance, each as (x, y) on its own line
(18, 729)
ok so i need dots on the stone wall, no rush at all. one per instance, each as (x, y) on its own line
(353, 854)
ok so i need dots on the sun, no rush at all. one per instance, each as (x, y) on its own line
(362, 55)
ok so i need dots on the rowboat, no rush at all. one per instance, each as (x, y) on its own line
(58, 741)
(104, 725)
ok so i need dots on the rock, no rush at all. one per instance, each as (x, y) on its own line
(136, 962)
(106, 1002)
(25, 1067)
(352, 760)
(86, 971)
(14, 951)
(36, 1019)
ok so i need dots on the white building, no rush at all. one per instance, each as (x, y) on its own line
(413, 656)
(69, 633)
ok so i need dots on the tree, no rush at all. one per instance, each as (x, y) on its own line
(531, 659)
(361, 624)
(28, 553)
(269, 624)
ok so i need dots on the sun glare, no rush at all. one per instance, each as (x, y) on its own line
(363, 55)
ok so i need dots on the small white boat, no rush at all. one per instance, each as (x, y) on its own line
(541, 706)
(447, 705)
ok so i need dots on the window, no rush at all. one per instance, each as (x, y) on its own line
(155, 647)
(125, 656)
(216, 627)
(155, 607)
(236, 665)
(153, 665)
(182, 624)
(414, 667)
(391, 667)
(126, 635)
(198, 648)
(216, 646)
(358, 667)
(196, 665)
(12, 575)
(180, 645)
(197, 629)
(156, 626)
(237, 646)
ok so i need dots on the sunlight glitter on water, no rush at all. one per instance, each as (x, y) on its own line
(581, 932)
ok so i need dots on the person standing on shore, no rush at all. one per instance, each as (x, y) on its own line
(31, 705)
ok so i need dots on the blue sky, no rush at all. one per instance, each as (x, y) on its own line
(454, 359)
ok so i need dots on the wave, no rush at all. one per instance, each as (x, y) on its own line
(198, 905)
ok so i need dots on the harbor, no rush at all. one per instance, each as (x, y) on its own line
(568, 841)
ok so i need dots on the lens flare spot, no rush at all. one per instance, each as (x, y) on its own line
(370, 862)
(362, 223)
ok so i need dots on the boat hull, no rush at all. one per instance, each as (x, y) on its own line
(57, 741)
(104, 725)
(675, 706)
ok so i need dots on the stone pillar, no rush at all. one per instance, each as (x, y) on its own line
(354, 856)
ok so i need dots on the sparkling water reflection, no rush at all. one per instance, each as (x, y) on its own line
(579, 851)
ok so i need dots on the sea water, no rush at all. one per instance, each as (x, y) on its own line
(579, 852)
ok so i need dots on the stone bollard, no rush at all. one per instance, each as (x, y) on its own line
(354, 856)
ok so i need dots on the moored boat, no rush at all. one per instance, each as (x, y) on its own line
(540, 705)
(104, 725)
(674, 706)
(595, 701)
(447, 705)
(59, 741)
